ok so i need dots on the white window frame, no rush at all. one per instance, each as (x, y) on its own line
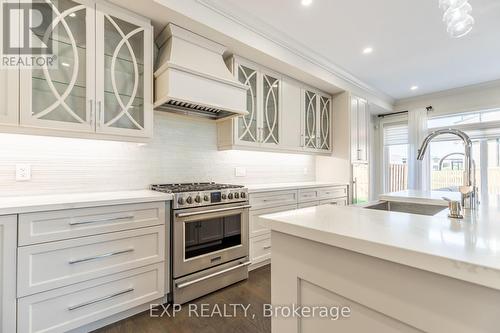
(383, 160)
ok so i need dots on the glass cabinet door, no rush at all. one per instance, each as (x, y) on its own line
(310, 119)
(247, 125)
(9, 94)
(270, 111)
(123, 86)
(324, 123)
(62, 96)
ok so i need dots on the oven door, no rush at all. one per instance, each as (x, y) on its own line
(205, 237)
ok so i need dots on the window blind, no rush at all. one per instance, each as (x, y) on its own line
(395, 134)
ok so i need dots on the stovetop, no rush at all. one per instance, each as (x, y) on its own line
(192, 187)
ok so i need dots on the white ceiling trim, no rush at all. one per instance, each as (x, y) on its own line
(252, 23)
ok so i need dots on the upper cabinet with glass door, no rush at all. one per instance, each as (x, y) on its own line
(101, 81)
(124, 74)
(282, 115)
(9, 90)
(316, 121)
(62, 96)
(261, 126)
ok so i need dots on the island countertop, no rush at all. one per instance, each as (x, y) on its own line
(467, 249)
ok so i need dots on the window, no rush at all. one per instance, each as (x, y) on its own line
(447, 161)
(447, 164)
(465, 118)
(396, 157)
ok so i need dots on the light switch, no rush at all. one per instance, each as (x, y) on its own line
(240, 172)
(23, 172)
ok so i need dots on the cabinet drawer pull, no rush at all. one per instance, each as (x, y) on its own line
(113, 219)
(101, 299)
(267, 247)
(101, 256)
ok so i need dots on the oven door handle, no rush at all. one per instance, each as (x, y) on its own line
(187, 284)
(202, 212)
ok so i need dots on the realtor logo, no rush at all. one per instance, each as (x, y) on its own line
(27, 34)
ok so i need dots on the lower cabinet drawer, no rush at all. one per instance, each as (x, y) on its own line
(53, 265)
(67, 308)
(273, 199)
(260, 227)
(42, 227)
(338, 202)
(260, 248)
(332, 192)
(309, 204)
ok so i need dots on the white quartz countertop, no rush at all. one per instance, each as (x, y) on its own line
(467, 249)
(289, 186)
(27, 204)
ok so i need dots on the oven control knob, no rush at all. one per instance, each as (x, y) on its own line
(236, 195)
(206, 198)
(224, 197)
(197, 199)
(180, 201)
(243, 195)
(189, 200)
(230, 196)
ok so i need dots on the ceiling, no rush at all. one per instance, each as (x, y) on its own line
(409, 39)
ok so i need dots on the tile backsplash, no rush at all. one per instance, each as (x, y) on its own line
(182, 150)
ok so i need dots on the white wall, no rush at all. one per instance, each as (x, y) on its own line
(182, 150)
(471, 98)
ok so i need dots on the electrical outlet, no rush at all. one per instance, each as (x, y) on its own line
(240, 172)
(23, 172)
(306, 170)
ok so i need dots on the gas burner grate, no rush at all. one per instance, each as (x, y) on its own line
(191, 187)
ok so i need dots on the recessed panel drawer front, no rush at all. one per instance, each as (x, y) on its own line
(337, 202)
(309, 204)
(259, 226)
(273, 199)
(332, 192)
(57, 225)
(67, 308)
(53, 265)
(308, 194)
(260, 248)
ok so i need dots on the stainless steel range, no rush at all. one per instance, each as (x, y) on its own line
(209, 237)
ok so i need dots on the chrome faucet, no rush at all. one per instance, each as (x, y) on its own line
(469, 188)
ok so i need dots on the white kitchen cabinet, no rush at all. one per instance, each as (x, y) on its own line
(102, 81)
(9, 90)
(124, 73)
(261, 127)
(76, 305)
(317, 122)
(359, 130)
(9, 96)
(8, 244)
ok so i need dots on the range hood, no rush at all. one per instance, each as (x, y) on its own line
(193, 79)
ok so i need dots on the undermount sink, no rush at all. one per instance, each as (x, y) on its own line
(404, 207)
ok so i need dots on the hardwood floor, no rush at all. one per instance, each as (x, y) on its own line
(256, 291)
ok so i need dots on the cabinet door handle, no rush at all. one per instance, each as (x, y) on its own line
(102, 220)
(92, 113)
(267, 247)
(203, 278)
(100, 299)
(100, 256)
(100, 114)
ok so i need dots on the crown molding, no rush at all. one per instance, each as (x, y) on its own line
(264, 30)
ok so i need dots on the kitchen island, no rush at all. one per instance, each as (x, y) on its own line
(397, 272)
